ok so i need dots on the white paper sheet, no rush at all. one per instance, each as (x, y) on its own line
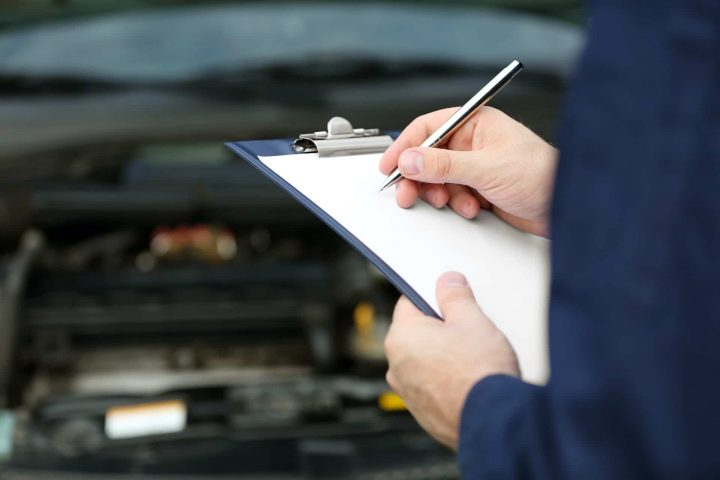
(507, 269)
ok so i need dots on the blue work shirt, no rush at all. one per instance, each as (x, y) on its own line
(635, 306)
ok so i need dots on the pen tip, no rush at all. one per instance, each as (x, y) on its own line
(392, 180)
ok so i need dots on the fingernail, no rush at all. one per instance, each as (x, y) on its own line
(432, 198)
(453, 279)
(467, 210)
(411, 162)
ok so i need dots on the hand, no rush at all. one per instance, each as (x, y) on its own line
(492, 162)
(433, 364)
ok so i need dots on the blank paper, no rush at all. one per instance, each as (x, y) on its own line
(508, 270)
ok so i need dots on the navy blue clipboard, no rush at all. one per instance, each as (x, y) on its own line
(252, 149)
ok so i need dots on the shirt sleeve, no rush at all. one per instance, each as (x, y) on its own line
(501, 432)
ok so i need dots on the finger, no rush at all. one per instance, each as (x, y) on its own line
(476, 132)
(539, 228)
(463, 201)
(407, 193)
(455, 298)
(484, 203)
(406, 315)
(435, 195)
(471, 136)
(405, 309)
(414, 134)
(437, 165)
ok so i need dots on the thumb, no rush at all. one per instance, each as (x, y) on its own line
(437, 165)
(456, 300)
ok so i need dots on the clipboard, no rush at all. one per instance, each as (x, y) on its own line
(328, 144)
(509, 268)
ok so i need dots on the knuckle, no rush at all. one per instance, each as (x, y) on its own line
(389, 344)
(418, 123)
(425, 119)
(442, 163)
(451, 296)
(389, 378)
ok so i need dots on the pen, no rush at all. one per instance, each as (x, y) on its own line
(464, 113)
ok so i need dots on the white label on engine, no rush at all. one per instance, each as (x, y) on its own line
(130, 421)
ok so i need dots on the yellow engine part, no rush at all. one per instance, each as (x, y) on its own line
(391, 402)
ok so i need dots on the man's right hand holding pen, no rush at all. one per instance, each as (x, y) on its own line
(491, 163)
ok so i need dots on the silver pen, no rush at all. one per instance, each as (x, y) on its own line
(464, 113)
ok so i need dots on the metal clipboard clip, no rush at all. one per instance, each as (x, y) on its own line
(342, 139)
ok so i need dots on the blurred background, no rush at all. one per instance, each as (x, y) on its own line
(167, 312)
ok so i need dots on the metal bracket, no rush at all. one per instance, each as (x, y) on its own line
(341, 139)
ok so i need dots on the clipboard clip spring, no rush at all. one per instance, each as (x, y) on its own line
(342, 139)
